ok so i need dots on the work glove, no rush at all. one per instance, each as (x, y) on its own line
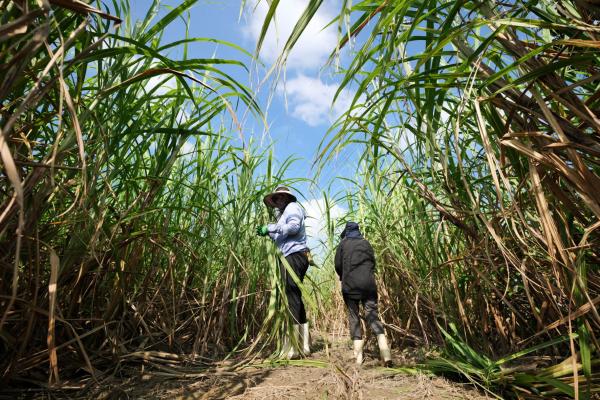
(262, 230)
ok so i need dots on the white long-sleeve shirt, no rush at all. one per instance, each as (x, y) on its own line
(289, 232)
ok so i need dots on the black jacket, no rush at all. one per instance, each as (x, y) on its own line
(355, 265)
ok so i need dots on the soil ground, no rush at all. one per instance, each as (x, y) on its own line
(334, 376)
(299, 382)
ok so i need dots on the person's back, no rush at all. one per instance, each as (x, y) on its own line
(357, 268)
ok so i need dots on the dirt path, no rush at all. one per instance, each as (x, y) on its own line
(334, 376)
(351, 383)
(299, 382)
(329, 373)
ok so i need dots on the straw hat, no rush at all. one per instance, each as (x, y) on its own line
(281, 190)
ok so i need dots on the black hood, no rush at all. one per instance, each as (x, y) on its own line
(351, 230)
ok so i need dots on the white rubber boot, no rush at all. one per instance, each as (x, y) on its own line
(305, 339)
(358, 350)
(384, 350)
(292, 352)
(285, 347)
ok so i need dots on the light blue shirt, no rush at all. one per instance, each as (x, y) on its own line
(289, 233)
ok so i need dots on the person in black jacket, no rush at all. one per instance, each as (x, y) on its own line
(355, 265)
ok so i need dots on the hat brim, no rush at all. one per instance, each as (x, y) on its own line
(268, 200)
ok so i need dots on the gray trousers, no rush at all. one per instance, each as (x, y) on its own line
(371, 316)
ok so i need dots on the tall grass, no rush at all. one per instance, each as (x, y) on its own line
(129, 196)
(479, 181)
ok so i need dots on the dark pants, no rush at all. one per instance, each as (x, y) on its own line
(299, 263)
(370, 306)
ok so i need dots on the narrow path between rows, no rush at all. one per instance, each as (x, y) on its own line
(329, 373)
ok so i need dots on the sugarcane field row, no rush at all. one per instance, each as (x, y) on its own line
(299, 199)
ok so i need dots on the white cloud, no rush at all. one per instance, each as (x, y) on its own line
(310, 100)
(164, 87)
(316, 222)
(313, 47)
(188, 148)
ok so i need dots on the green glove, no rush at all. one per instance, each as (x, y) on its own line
(262, 230)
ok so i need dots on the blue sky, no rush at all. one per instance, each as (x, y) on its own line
(298, 114)
(299, 111)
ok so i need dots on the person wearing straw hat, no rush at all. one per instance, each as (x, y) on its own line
(289, 234)
(355, 265)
